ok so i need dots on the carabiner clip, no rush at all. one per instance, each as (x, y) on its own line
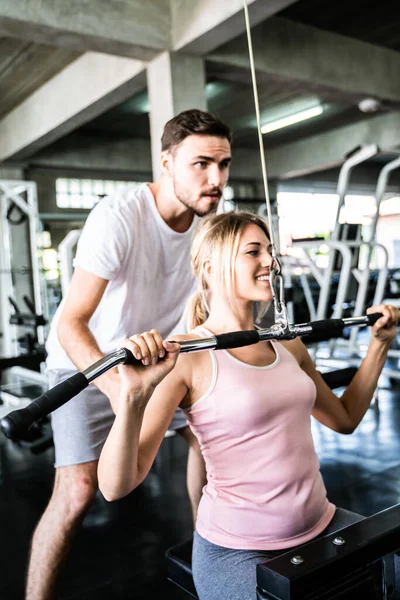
(278, 298)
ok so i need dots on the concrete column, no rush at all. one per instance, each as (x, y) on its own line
(176, 82)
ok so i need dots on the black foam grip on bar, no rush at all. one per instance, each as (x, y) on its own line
(237, 339)
(324, 330)
(331, 327)
(130, 359)
(340, 377)
(17, 423)
(372, 319)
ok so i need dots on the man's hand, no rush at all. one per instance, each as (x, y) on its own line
(157, 358)
(384, 329)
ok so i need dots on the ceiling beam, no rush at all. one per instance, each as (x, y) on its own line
(131, 28)
(323, 63)
(200, 26)
(25, 67)
(328, 150)
(82, 91)
(96, 153)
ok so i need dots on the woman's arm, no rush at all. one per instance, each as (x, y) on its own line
(136, 435)
(344, 414)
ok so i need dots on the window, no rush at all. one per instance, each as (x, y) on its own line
(85, 193)
(308, 215)
(311, 214)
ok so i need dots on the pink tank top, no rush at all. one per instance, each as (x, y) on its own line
(264, 489)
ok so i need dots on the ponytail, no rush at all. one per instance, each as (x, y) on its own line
(196, 310)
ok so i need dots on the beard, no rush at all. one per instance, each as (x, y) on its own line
(185, 199)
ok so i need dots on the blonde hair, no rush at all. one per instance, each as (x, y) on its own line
(217, 239)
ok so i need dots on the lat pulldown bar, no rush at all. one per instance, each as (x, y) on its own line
(16, 424)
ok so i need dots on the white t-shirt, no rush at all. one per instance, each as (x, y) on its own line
(126, 241)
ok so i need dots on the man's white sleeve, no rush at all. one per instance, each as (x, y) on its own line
(104, 245)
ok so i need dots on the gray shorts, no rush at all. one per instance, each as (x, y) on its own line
(81, 426)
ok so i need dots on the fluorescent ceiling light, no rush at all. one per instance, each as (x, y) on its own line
(303, 115)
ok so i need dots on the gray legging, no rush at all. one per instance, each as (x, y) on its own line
(225, 574)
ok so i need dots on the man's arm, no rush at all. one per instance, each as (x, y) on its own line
(84, 295)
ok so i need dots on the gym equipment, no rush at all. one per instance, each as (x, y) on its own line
(17, 423)
(22, 350)
(31, 354)
(18, 244)
(344, 565)
(342, 249)
(343, 270)
(29, 342)
(356, 157)
(363, 276)
(20, 391)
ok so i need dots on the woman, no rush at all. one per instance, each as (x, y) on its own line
(250, 409)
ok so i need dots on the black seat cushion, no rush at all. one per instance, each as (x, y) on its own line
(179, 560)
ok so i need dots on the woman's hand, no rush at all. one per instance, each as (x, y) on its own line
(384, 329)
(157, 358)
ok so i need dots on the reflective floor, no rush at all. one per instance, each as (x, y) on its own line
(119, 551)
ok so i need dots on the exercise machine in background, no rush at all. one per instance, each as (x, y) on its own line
(347, 285)
(23, 332)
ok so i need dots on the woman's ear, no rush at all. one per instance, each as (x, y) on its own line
(166, 162)
(207, 267)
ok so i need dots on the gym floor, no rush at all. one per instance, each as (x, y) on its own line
(119, 551)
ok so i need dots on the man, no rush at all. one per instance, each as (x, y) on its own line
(132, 273)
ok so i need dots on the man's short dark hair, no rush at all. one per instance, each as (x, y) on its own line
(192, 122)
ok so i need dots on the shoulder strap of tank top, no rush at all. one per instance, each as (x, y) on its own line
(201, 331)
